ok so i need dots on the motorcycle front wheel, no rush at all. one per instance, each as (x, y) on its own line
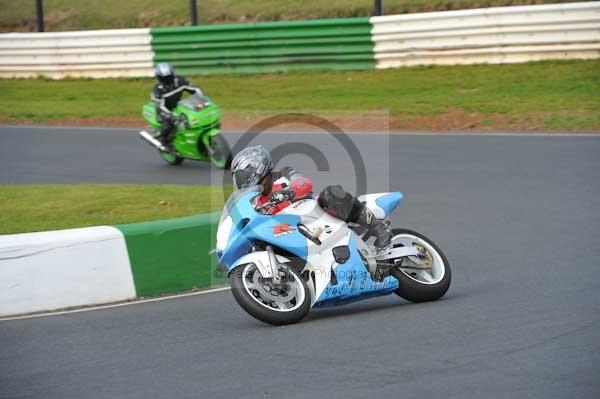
(286, 303)
(425, 277)
(171, 158)
(219, 152)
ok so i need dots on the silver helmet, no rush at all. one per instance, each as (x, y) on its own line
(165, 73)
(250, 166)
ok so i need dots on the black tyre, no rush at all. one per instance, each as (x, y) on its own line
(425, 280)
(287, 304)
(220, 154)
(171, 158)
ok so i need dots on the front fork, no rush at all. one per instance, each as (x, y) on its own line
(274, 265)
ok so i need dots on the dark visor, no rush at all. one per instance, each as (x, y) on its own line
(242, 178)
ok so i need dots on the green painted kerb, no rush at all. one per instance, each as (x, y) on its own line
(169, 256)
(331, 44)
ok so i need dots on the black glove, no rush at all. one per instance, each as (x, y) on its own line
(283, 195)
(182, 121)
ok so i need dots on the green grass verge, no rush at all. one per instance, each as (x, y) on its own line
(105, 14)
(52, 207)
(563, 93)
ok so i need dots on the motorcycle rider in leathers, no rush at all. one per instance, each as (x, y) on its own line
(253, 166)
(165, 95)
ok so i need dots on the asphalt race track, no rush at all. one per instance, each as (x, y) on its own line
(518, 218)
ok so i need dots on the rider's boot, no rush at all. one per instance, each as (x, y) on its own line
(166, 137)
(169, 143)
(339, 203)
(375, 227)
(383, 234)
(167, 130)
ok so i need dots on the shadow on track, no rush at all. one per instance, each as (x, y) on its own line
(371, 307)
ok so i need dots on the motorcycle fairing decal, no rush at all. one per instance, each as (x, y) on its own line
(262, 228)
(282, 229)
(354, 280)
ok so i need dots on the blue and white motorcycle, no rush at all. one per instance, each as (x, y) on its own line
(280, 266)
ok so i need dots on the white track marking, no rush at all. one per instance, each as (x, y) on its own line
(395, 133)
(116, 305)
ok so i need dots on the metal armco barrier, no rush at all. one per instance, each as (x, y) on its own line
(489, 35)
(95, 54)
(335, 44)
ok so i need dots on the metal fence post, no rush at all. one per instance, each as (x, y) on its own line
(378, 8)
(193, 12)
(39, 10)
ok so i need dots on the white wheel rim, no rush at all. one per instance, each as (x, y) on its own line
(284, 300)
(429, 276)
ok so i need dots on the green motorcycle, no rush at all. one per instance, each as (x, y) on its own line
(198, 136)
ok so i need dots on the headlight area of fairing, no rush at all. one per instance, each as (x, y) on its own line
(223, 234)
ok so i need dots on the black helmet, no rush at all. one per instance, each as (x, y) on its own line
(250, 166)
(164, 73)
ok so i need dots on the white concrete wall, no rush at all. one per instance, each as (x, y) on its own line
(95, 54)
(490, 35)
(59, 269)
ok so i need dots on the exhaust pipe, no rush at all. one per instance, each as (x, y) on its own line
(148, 137)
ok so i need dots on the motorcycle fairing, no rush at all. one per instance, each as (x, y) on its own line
(352, 281)
(381, 204)
(149, 114)
(268, 228)
(248, 226)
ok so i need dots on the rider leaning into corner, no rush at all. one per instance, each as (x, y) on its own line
(253, 166)
(165, 95)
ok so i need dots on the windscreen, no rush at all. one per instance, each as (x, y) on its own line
(194, 102)
(235, 197)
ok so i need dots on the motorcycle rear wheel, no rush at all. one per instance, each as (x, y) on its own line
(421, 284)
(278, 306)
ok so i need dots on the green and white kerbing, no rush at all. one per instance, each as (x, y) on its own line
(94, 265)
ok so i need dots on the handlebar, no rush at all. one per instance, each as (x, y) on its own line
(181, 121)
(277, 198)
(267, 205)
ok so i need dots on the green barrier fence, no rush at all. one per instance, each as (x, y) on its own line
(335, 44)
(169, 256)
